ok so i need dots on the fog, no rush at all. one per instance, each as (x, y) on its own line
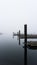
(15, 13)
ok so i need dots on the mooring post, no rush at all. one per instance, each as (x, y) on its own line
(25, 44)
(19, 37)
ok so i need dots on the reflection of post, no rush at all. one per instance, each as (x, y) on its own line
(19, 37)
(25, 44)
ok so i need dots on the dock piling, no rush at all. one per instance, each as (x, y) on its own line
(19, 37)
(25, 44)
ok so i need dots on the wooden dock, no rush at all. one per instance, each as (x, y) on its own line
(32, 43)
(29, 44)
(29, 36)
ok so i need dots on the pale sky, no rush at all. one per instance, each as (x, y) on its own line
(15, 13)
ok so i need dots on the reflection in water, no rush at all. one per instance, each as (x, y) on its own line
(31, 51)
(13, 54)
(33, 48)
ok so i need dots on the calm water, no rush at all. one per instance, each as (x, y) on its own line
(13, 54)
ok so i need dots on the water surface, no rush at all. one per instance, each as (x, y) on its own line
(11, 53)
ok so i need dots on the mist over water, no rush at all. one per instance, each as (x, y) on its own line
(14, 14)
(10, 51)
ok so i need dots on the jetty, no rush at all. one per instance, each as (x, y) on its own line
(27, 44)
(29, 36)
(32, 43)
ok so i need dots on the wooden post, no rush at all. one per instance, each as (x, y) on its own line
(25, 44)
(19, 37)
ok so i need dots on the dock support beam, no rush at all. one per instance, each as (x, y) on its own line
(19, 37)
(25, 44)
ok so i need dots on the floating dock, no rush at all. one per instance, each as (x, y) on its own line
(32, 43)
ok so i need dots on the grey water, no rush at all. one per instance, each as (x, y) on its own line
(11, 53)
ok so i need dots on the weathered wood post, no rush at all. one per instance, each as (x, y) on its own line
(25, 44)
(19, 37)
